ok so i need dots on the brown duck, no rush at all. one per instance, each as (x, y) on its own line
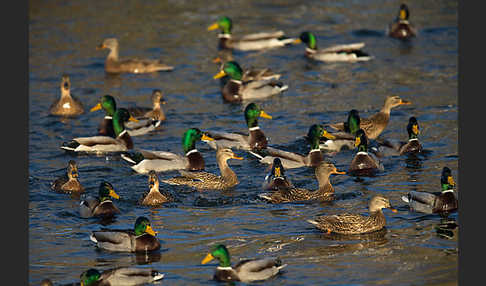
(154, 197)
(68, 183)
(67, 105)
(155, 112)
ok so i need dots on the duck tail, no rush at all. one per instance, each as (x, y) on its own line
(313, 222)
(157, 275)
(265, 196)
(93, 238)
(282, 266)
(132, 157)
(70, 146)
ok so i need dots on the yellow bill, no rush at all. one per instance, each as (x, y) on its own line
(219, 75)
(217, 60)
(213, 27)
(206, 138)
(357, 142)
(403, 15)
(132, 119)
(327, 135)
(265, 115)
(208, 258)
(297, 41)
(113, 194)
(150, 231)
(277, 172)
(450, 180)
(415, 129)
(96, 107)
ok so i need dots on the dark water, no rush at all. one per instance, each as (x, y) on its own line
(413, 250)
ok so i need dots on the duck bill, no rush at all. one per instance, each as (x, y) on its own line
(328, 135)
(339, 172)
(403, 14)
(217, 60)
(450, 180)
(208, 258)
(236, 157)
(405, 102)
(277, 172)
(394, 210)
(132, 119)
(150, 231)
(96, 107)
(415, 129)
(113, 194)
(206, 138)
(357, 142)
(265, 115)
(219, 75)
(100, 47)
(297, 41)
(213, 27)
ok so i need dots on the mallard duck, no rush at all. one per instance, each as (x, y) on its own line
(102, 205)
(276, 179)
(128, 276)
(353, 223)
(374, 125)
(105, 144)
(251, 42)
(208, 181)
(139, 127)
(364, 162)
(294, 160)
(338, 53)
(67, 105)
(441, 203)
(69, 182)
(412, 146)
(324, 193)
(160, 161)
(249, 74)
(237, 90)
(115, 65)
(153, 197)
(255, 140)
(140, 239)
(344, 139)
(401, 27)
(247, 270)
(154, 112)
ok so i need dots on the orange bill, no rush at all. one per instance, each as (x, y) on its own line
(96, 107)
(328, 135)
(213, 27)
(132, 119)
(206, 138)
(113, 194)
(219, 75)
(208, 258)
(265, 115)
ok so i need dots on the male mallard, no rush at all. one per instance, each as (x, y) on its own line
(102, 205)
(364, 162)
(114, 65)
(442, 203)
(69, 182)
(251, 42)
(276, 179)
(353, 223)
(412, 146)
(247, 270)
(294, 160)
(153, 197)
(67, 105)
(237, 90)
(374, 125)
(338, 53)
(401, 27)
(345, 139)
(208, 181)
(155, 112)
(139, 127)
(255, 140)
(141, 239)
(105, 144)
(324, 193)
(160, 161)
(249, 74)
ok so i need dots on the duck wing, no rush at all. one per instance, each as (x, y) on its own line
(130, 276)
(258, 269)
(289, 160)
(228, 140)
(261, 36)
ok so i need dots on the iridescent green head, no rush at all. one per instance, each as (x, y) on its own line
(224, 24)
(316, 131)
(107, 103)
(142, 226)
(252, 112)
(220, 253)
(89, 277)
(231, 69)
(446, 179)
(191, 136)
(361, 141)
(119, 118)
(353, 123)
(309, 39)
(106, 191)
(413, 128)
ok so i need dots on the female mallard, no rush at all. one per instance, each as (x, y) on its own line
(208, 181)
(153, 197)
(251, 42)
(160, 161)
(276, 179)
(255, 140)
(102, 205)
(412, 146)
(353, 223)
(68, 183)
(364, 162)
(324, 193)
(115, 65)
(67, 105)
(374, 125)
(339, 53)
(442, 203)
(141, 239)
(247, 270)
(139, 127)
(294, 160)
(155, 112)
(344, 140)
(236, 90)
(105, 144)
(401, 27)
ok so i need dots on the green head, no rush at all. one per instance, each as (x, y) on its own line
(107, 103)
(412, 128)
(224, 24)
(446, 179)
(353, 123)
(89, 277)
(252, 112)
(361, 141)
(309, 39)
(191, 136)
(231, 69)
(220, 253)
(119, 118)
(142, 225)
(106, 191)
(316, 131)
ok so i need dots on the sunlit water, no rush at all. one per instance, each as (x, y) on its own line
(412, 250)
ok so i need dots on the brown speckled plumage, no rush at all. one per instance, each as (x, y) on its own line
(69, 182)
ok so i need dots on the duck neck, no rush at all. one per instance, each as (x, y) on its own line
(324, 184)
(386, 109)
(118, 127)
(113, 55)
(65, 93)
(226, 173)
